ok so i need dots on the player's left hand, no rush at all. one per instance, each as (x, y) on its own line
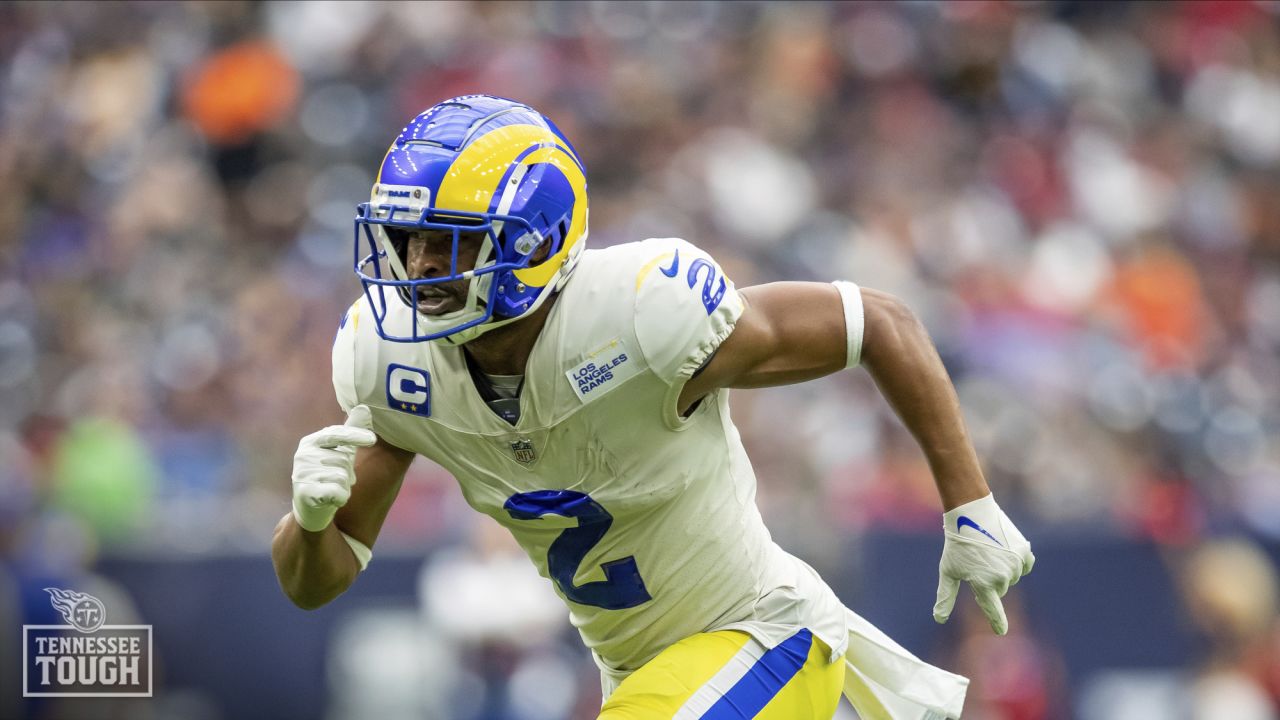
(984, 548)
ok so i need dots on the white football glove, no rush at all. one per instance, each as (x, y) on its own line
(983, 548)
(324, 468)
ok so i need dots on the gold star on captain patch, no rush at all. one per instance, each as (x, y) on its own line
(413, 408)
(403, 406)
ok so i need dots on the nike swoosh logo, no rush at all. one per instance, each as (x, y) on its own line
(964, 521)
(675, 265)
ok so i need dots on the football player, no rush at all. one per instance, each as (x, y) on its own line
(580, 398)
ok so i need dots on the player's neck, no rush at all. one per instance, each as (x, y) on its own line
(505, 350)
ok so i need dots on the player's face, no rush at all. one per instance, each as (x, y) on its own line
(428, 254)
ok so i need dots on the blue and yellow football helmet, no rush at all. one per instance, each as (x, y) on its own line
(474, 164)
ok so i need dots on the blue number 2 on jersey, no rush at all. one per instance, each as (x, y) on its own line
(622, 587)
(710, 300)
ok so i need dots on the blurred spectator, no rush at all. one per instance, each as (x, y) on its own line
(1081, 200)
(240, 91)
(1233, 594)
(104, 474)
(178, 201)
(1015, 677)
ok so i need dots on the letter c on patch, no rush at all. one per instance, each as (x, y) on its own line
(409, 389)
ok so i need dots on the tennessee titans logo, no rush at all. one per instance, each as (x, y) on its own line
(82, 611)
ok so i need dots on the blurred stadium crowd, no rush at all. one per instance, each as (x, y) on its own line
(1081, 200)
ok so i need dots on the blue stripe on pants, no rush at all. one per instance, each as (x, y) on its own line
(770, 673)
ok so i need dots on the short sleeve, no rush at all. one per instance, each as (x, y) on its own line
(685, 307)
(356, 369)
(344, 359)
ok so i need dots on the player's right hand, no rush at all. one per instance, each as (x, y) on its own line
(324, 468)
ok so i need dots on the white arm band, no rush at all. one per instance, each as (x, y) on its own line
(851, 296)
(362, 552)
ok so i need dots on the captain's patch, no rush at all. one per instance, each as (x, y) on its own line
(604, 369)
(409, 389)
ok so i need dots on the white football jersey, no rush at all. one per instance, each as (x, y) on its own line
(645, 522)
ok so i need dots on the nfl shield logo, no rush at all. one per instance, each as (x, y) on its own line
(523, 450)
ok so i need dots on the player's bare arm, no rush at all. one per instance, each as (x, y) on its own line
(315, 567)
(794, 331)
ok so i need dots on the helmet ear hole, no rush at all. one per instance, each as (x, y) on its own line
(555, 241)
(558, 236)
